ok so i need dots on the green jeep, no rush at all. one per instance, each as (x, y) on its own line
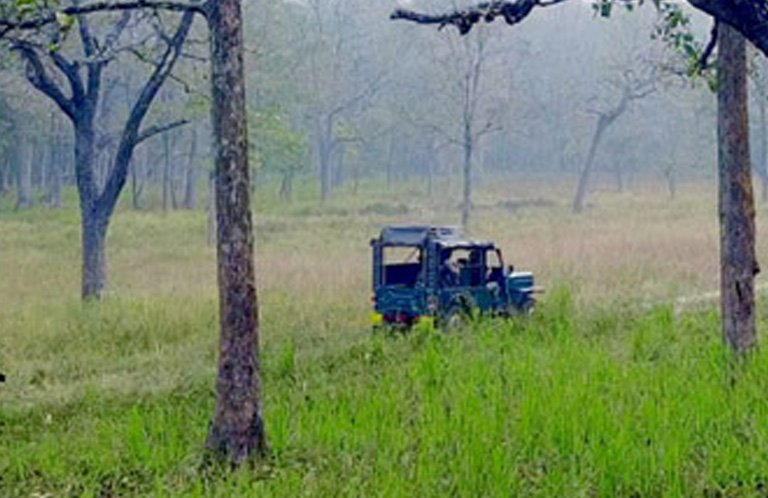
(427, 273)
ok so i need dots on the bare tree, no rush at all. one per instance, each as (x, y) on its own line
(79, 100)
(634, 83)
(336, 93)
(464, 105)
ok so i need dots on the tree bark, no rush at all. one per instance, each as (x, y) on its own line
(237, 429)
(93, 230)
(94, 234)
(738, 262)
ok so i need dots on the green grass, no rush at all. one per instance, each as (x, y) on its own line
(604, 392)
(564, 404)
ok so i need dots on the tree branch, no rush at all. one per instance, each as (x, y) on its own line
(710, 48)
(50, 17)
(146, 60)
(86, 36)
(465, 19)
(130, 135)
(70, 71)
(39, 78)
(748, 17)
(158, 129)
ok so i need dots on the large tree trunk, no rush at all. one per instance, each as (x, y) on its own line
(94, 230)
(237, 429)
(738, 263)
(586, 172)
(94, 234)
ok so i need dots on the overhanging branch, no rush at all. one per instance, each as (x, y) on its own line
(465, 19)
(709, 49)
(748, 17)
(50, 17)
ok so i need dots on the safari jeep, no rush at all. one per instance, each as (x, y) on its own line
(425, 273)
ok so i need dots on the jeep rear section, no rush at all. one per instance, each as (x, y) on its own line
(399, 269)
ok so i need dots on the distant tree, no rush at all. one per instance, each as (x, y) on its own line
(462, 104)
(668, 171)
(278, 148)
(340, 83)
(636, 81)
(474, 124)
(47, 66)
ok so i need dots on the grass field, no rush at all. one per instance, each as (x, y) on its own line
(607, 391)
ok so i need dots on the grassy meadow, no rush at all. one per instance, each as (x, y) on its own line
(609, 390)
